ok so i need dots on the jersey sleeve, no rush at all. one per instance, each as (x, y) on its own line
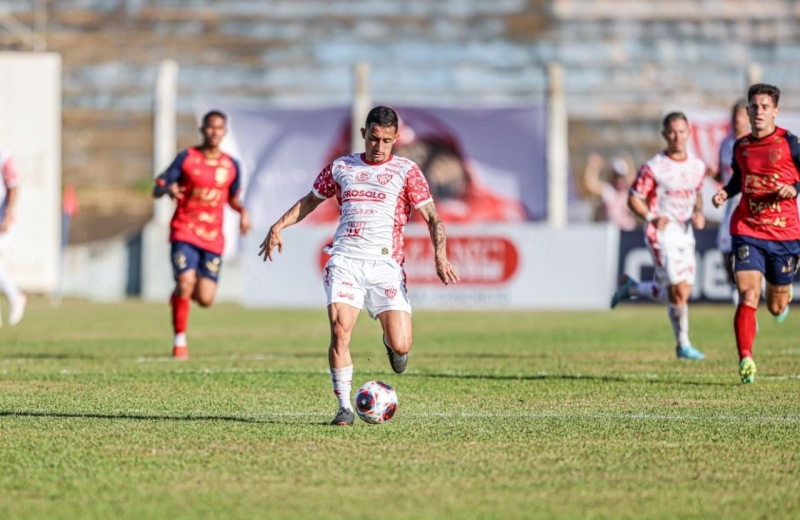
(324, 185)
(10, 174)
(236, 185)
(645, 183)
(173, 173)
(417, 189)
(734, 186)
(794, 148)
(701, 178)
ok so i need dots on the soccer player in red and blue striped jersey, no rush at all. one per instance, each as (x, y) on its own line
(201, 180)
(765, 227)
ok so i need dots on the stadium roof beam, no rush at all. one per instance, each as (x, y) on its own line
(32, 36)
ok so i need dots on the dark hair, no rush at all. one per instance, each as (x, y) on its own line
(384, 117)
(673, 116)
(762, 88)
(213, 113)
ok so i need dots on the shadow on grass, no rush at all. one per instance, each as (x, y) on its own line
(47, 355)
(568, 377)
(308, 419)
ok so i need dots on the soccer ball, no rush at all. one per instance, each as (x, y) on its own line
(376, 402)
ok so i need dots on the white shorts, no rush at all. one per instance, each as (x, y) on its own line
(5, 239)
(673, 251)
(380, 284)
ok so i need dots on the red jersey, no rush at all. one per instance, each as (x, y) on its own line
(759, 166)
(207, 184)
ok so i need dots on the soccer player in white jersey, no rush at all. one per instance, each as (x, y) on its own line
(666, 194)
(9, 191)
(376, 191)
(740, 127)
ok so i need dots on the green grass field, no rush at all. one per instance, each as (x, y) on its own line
(502, 415)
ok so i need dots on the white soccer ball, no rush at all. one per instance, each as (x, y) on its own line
(376, 402)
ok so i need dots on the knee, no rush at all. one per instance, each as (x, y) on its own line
(776, 306)
(749, 297)
(401, 345)
(340, 337)
(185, 287)
(203, 300)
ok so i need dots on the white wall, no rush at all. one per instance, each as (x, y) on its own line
(30, 128)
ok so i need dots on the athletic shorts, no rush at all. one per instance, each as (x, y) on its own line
(673, 250)
(378, 284)
(5, 240)
(777, 260)
(186, 257)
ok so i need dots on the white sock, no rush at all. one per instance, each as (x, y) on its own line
(342, 379)
(679, 317)
(9, 288)
(180, 340)
(649, 290)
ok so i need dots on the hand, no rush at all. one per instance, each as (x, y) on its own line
(6, 223)
(272, 240)
(786, 191)
(595, 161)
(720, 198)
(446, 272)
(175, 192)
(244, 221)
(698, 220)
(660, 222)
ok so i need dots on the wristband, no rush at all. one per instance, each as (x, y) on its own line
(649, 217)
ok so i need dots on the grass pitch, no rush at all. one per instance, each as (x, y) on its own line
(502, 415)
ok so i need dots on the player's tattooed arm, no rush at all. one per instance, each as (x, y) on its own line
(300, 210)
(446, 272)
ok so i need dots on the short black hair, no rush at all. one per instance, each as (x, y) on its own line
(762, 88)
(213, 113)
(673, 116)
(384, 117)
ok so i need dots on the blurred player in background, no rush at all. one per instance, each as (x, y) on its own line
(9, 192)
(666, 194)
(201, 180)
(740, 127)
(613, 193)
(765, 227)
(376, 191)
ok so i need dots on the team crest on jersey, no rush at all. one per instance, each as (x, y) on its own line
(384, 178)
(743, 253)
(390, 293)
(221, 175)
(363, 175)
(775, 154)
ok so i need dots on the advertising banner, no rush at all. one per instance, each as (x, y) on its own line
(502, 266)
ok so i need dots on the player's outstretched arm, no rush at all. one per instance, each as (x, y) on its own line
(300, 210)
(446, 272)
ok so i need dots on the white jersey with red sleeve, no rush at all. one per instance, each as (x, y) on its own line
(375, 204)
(670, 187)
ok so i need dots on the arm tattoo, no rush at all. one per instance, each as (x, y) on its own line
(436, 229)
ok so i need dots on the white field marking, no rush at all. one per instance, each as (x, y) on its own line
(198, 414)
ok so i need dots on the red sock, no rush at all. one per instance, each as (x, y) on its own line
(180, 313)
(744, 324)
